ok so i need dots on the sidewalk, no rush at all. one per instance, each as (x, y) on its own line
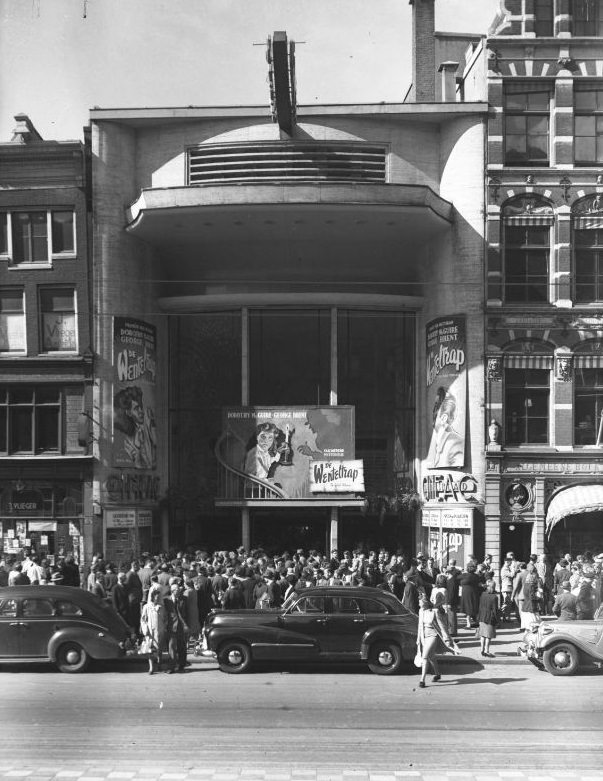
(508, 638)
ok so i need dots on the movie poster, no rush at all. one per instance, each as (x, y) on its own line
(268, 452)
(446, 371)
(134, 377)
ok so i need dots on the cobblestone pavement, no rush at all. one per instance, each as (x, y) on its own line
(280, 774)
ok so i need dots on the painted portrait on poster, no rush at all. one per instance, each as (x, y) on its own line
(446, 384)
(134, 378)
(272, 448)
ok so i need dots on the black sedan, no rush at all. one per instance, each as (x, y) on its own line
(60, 624)
(331, 623)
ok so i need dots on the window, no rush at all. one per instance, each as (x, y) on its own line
(37, 607)
(345, 605)
(526, 252)
(64, 608)
(543, 11)
(30, 418)
(59, 332)
(310, 605)
(372, 606)
(37, 236)
(588, 125)
(12, 321)
(587, 17)
(527, 125)
(8, 607)
(526, 406)
(588, 256)
(588, 405)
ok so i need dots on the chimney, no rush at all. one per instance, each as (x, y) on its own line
(423, 51)
(448, 70)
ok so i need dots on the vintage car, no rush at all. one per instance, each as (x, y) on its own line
(60, 624)
(330, 624)
(562, 646)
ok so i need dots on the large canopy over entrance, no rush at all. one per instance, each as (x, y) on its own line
(575, 500)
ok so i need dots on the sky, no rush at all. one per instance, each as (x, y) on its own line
(60, 58)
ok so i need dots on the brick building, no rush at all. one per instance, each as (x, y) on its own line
(288, 297)
(45, 355)
(544, 384)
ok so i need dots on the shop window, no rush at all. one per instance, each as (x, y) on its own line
(588, 125)
(28, 237)
(527, 118)
(59, 333)
(526, 407)
(588, 406)
(12, 321)
(544, 13)
(526, 254)
(30, 419)
(587, 18)
(588, 256)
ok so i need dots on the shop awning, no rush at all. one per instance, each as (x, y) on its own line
(575, 500)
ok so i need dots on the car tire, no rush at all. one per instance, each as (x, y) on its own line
(561, 659)
(234, 657)
(72, 658)
(385, 658)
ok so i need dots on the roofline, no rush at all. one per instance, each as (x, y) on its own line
(149, 115)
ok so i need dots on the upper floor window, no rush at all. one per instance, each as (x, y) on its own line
(30, 419)
(544, 13)
(588, 405)
(527, 225)
(527, 117)
(12, 321)
(526, 408)
(57, 308)
(588, 258)
(28, 237)
(588, 125)
(587, 18)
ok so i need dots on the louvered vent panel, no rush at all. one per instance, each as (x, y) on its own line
(315, 162)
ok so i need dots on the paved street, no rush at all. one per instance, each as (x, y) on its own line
(318, 723)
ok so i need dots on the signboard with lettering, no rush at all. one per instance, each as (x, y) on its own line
(449, 487)
(120, 519)
(450, 532)
(446, 384)
(134, 376)
(336, 476)
(25, 502)
(272, 452)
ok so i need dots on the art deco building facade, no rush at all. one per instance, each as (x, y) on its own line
(45, 337)
(544, 384)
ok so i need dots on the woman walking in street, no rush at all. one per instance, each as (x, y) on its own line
(154, 629)
(488, 617)
(431, 631)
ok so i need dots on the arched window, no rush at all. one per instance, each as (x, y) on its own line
(527, 223)
(587, 223)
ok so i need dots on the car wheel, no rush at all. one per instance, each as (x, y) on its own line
(72, 658)
(385, 658)
(234, 656)
(561, 659)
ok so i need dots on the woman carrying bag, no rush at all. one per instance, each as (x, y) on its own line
(431, 632)
(154, 629)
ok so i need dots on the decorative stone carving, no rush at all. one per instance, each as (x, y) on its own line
(565, 184)
(517, 496)
(527, 205)
(494, 369)
(494, 432)
(495, 185)
(493, 59)
(592, 204)
(563, 369)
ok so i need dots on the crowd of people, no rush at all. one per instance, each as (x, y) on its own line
(165, 598)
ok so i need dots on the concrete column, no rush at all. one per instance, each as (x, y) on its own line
(334, 530)
(448, 71)
(245, 529)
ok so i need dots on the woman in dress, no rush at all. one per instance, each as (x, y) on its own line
(431, 632)
(470, 583)
(532, 595)
(488, 617)
(154, 629)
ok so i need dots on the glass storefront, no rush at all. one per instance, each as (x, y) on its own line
(361, 358)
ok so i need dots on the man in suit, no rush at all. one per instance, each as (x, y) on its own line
(176, 608)
(565, 603)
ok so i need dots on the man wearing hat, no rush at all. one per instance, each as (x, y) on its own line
(56, 579)
(565, 603)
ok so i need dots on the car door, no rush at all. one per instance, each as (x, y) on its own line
(10, 629)
(303, 629)
(345, 626)
(38, 624)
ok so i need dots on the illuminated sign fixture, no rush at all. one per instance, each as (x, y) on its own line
(280, 55)
(449, 487)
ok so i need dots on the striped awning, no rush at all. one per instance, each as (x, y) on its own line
(575, 500)
(529, 220)
(528, 361)
(588, 361)
(591, 222)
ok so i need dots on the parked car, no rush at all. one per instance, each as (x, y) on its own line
(330, 624)
(562, 646)
(61, 624)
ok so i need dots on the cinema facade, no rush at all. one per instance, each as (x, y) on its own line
(289, 326)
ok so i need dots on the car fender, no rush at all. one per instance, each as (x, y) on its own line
(96, 641)
(249, 635)
(406, 640)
